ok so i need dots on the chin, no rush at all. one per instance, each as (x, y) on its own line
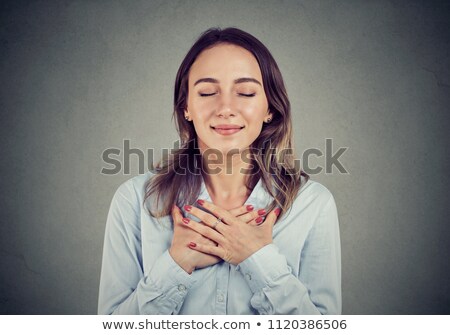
(224, 149)
(222, 146)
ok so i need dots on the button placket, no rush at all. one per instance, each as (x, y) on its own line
(221, 288)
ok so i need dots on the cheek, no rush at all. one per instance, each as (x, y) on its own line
(201, 107)
(254, 112)
(254, 120)
(257, 107)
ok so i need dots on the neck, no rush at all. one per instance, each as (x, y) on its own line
(226, 180)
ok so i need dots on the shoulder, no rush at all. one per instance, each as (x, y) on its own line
(135, 185)
(312, 201)
(126, 205)
(132, 191)
(314, 193)
(315, 208)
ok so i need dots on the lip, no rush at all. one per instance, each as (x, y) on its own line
(227, 126)
(226, 129)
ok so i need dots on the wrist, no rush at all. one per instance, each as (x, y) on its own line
(180, 260)
(254, 249)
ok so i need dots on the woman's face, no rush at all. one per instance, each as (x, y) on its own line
(226, 89)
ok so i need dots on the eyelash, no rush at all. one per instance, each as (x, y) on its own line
(241, 94)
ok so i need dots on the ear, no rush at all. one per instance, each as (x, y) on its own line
(186, 115)
(269, 117)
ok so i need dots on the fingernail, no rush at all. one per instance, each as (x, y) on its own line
(259, 219)
(249, 208)
(187, 207)
(200, 202)
(277, 211)
(261, 212)
(185, 220)
(192, 245)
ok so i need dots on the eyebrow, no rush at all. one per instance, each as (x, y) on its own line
(237, 81)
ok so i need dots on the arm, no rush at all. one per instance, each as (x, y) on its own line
(124, 287)
(317, 290)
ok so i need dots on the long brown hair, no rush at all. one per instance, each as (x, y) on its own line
(178, 177)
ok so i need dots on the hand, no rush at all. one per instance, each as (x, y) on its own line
(185, 257)
(236, 241)
(190, 259)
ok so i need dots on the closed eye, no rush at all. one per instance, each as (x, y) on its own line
(240, 94)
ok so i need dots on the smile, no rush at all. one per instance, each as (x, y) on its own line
(228, 131)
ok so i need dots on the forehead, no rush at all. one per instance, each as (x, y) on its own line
(225, 61)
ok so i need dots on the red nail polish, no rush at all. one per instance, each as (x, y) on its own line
(200, 202)
(261, 212)
(192, 245)
(185, 220)
(187, 207)
(259, 219)
(277, 211)
(249, 207)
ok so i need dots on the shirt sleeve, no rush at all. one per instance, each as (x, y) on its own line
(124, 287)
(316, 290)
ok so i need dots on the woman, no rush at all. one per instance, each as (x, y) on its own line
(226, 224)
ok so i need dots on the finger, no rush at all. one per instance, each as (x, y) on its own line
(207, 249)
(241, 210)
(250, 218)
(204, 230)
(218, 212)
(208, 219)
(271, 218)
(177, 215)
(256, 221)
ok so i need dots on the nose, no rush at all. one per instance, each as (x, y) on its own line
(225, 107)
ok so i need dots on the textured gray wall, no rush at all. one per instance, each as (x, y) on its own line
(81, 76)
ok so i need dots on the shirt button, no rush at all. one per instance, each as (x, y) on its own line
(220, 298)
(181, 288)
(248, 276)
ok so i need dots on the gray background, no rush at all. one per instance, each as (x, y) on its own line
(81, 76)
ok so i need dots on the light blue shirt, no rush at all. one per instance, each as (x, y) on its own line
(299, 273)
